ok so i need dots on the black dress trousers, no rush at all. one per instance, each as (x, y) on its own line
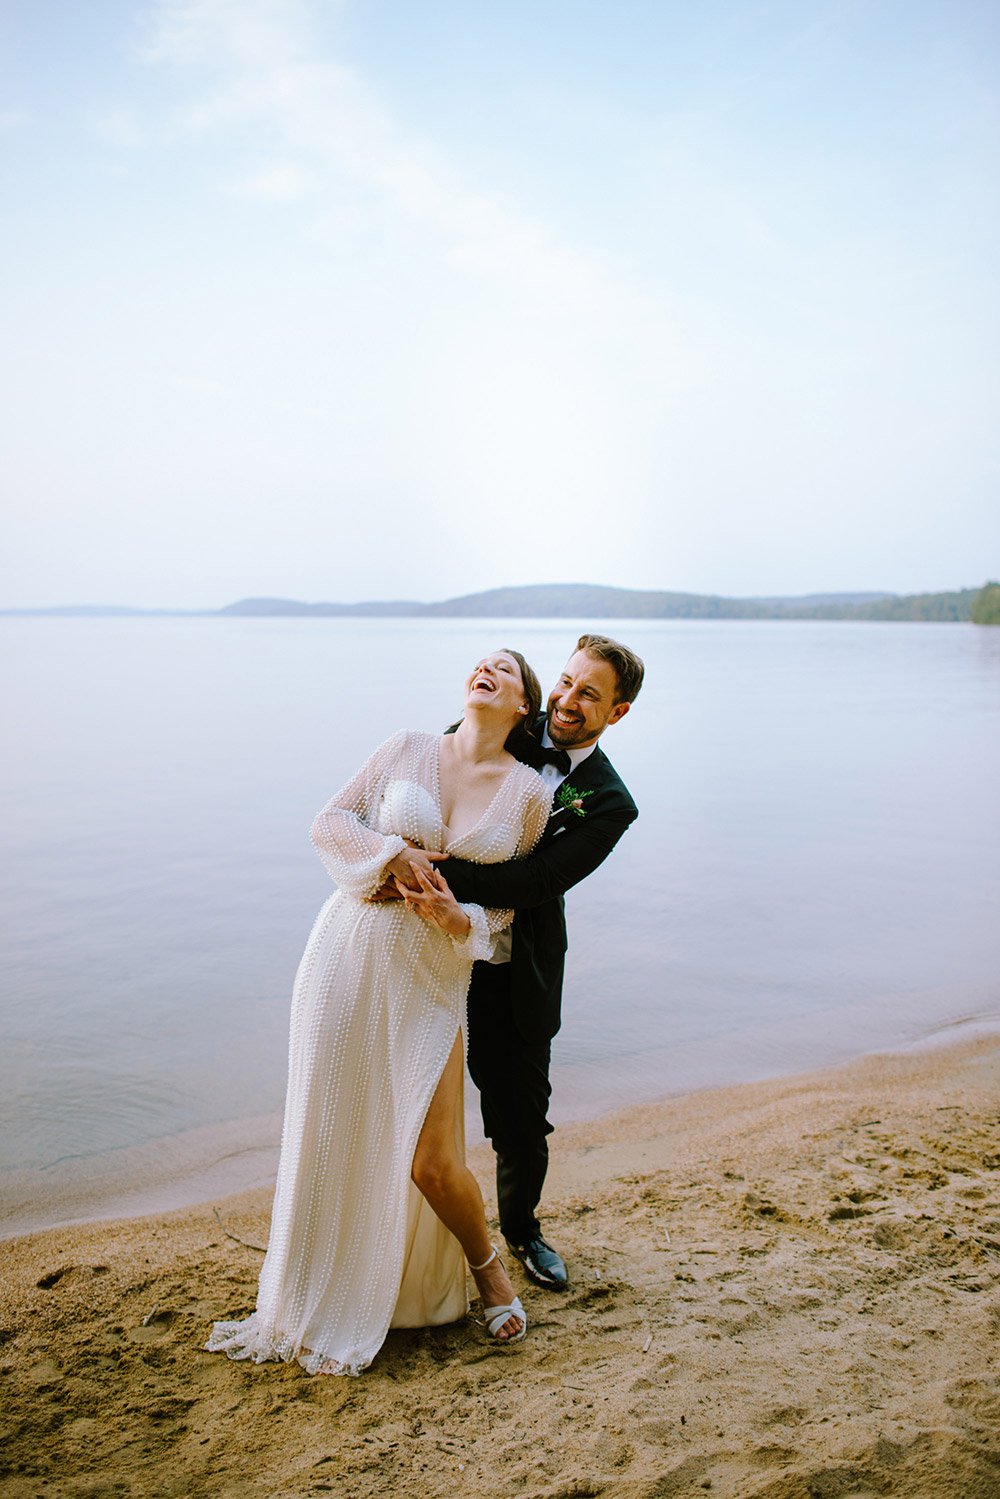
(512, 1075)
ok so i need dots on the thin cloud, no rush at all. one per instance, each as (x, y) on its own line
(543, 375)
(263, 70)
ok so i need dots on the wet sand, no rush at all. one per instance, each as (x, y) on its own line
(783, 1290)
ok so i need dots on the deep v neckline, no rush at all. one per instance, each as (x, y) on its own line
(451, 843)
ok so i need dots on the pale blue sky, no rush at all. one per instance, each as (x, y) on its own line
(379, 300)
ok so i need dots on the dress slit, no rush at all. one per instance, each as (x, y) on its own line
(432, 1287)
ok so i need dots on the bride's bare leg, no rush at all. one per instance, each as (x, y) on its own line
(453, 1192)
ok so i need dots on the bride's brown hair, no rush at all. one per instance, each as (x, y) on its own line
(520, 737)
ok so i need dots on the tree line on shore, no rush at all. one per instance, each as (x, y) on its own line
(986, 605)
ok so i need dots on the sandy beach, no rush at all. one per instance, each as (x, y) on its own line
(783, 1290)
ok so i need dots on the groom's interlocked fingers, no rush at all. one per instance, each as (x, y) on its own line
(403, 869)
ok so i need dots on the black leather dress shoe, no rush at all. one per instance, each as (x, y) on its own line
(541, 1263)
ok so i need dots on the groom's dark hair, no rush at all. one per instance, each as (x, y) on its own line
(625, 664)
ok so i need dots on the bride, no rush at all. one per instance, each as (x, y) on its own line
(375, 1211)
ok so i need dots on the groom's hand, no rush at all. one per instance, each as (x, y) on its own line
(403, 869)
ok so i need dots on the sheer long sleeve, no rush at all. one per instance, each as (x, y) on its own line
(344, 835)
(487, 924)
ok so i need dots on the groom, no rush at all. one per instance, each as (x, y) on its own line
(514, 1000)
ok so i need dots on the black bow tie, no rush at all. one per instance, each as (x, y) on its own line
(557, 757)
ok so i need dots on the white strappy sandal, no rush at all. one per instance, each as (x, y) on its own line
(494, 1317)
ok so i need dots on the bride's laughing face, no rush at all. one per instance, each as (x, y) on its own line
(495, 686)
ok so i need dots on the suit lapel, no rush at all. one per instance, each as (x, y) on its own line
(590, 772)
(587, 776)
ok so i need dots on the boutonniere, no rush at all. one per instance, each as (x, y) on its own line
(571, 800)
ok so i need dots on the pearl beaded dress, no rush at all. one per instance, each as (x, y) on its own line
(378, 1001)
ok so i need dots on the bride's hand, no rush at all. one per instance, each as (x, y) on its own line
(436, 904)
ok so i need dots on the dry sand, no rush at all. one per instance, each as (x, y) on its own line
(787, 1290)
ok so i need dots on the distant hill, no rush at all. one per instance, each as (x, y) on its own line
(590, 601)
(594, 601)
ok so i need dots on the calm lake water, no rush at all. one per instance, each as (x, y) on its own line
(813, 874)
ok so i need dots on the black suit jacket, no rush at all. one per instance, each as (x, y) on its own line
(571, 848)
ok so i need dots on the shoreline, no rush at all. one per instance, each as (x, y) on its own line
(236, 1156)
(779, 1289)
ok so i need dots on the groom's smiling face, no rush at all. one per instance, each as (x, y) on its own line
(582, 703)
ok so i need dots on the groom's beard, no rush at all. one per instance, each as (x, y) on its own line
(569, 736)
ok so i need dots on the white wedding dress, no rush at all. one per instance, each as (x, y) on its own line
(378, 1001)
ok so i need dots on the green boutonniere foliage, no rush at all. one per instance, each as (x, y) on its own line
(571, 800)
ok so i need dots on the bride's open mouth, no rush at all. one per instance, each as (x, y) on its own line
(485, 683)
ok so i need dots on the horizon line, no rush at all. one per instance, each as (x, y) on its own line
(831, 593)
